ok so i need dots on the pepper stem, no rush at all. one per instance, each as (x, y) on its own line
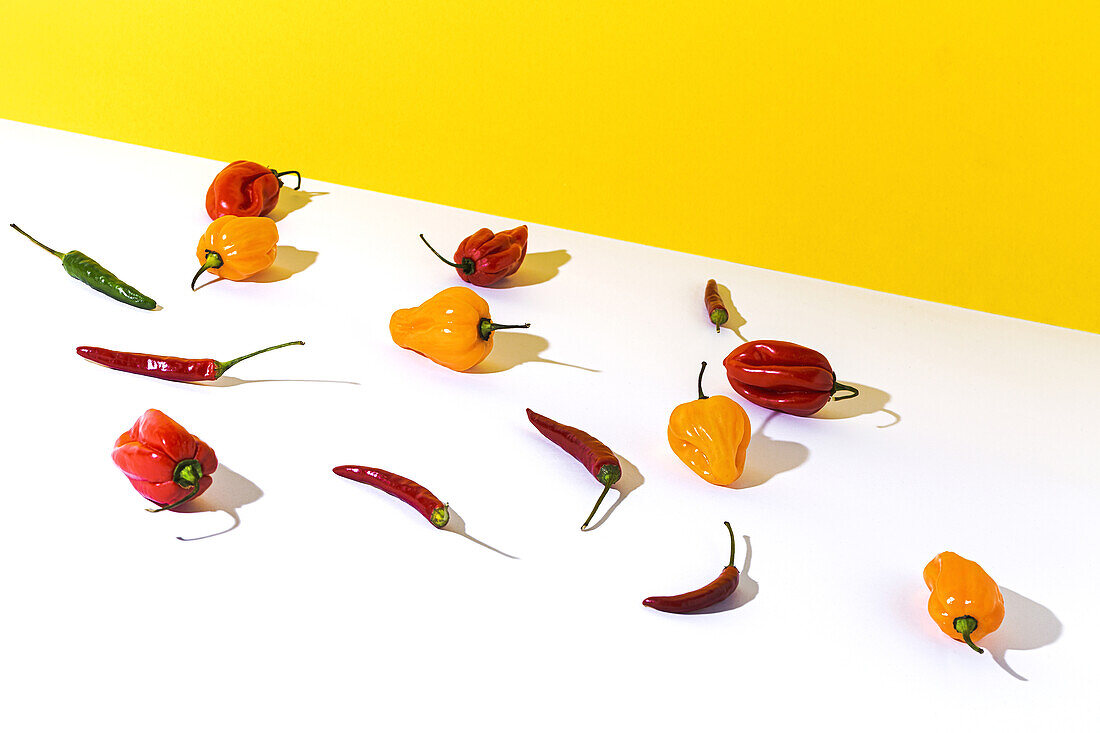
(440, 516)
(607, 475)
(733, 544)
(48, 249)
(224, 365)
(213, 260)
(287, 173)
(718, 316)
(701, 395)
(188, 474)
(485, 328)
(845, 388)
(467, 265)
(967, 625)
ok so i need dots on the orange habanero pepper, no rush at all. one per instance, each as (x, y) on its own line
(965, 602)
(710, 435)
(452, 328)
(237, 247)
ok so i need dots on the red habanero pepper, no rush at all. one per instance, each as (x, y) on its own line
(593, 455)
(784, 377)
(716, 309)
(406, 490)
(244, 188)
(714, 592)
(165, 463)
(171, 368)
(483, 258)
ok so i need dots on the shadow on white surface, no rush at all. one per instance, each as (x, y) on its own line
(457, 525)
(288, 262)
(627, 483)
(736, 321)
(537, 267)
(1027, 625)
(233, 381)
(767, 458)
(291, 200)
(869, 400)
(512, 348)
(229, 492)
(747, 588)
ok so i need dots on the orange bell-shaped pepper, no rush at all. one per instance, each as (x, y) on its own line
(237, 247)
(711, 435)
(452, 328)
(965, 603)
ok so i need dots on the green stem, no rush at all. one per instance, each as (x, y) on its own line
(467, 265)
(213, 260)
(485, 328)
(845, 388)
(701, 395)
(967, 625)
(48, 249)
(732, 543)
(188, 475)
(287, 173)
(607, 475)
(224, 365)
(598, 502)
(718, 316)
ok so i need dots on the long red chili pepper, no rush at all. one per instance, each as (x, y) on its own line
(716, 309)
(167, 367)
(594, 455)
(714, 592)
(404, 489)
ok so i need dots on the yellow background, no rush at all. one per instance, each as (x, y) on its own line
(942, 150)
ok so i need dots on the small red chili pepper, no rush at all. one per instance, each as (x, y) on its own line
(600, 461)
(714, 592)
(716, 309)
(244, 188)
(172, 368)
(483, 258)
(784, 377)
(165, 463)
(404, 489)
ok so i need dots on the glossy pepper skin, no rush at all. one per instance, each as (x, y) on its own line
(166, 464)
(965, 603)
(452, 328)
(237, 247)
(407, 490)
(484, 258)
(172, 368)
(711, 436)
(244, 188)
(710, 594)
(783, 376)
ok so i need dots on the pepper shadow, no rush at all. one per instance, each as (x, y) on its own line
(630, 480)
(291, 200)
(1027, 625)
(234, 381)
(229, 492)
(767, 458)
(747, 588)
(457, 525)
(869, 400)
(736, 321)
(537, 268)
(512, 348)
(289, 261)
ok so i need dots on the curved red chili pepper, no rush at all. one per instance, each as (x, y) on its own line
(783, 376)
(244, 188)
(483, 258)
(600, 461)
(716, 309)
(714, 592)
(165, 463)
(404, 489)
(171, 368)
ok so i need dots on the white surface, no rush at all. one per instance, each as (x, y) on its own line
(334, 607)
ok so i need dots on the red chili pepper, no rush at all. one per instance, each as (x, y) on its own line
(483, 258)
(165, 463)
(714, 592)
(594, 455)
(404, 489)
(783, 376)
(716, 309)
(167, 367)
(244, 188)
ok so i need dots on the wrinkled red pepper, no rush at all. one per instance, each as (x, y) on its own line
(244, 188)
(165, 463)
(784, 377)
(484, 258)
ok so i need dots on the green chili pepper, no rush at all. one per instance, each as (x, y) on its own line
(90, 272)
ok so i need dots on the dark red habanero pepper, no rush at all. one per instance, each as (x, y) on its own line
(593, 455)
(171, 368)
(406, 490)
(716, 309)
(484, 258)
(166, 464)
(784, 377)
(244, 188)
(714, 592)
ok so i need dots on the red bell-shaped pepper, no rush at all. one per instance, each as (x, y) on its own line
(783, 376)
(165, 463)
(244, 188)
(483, 258)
